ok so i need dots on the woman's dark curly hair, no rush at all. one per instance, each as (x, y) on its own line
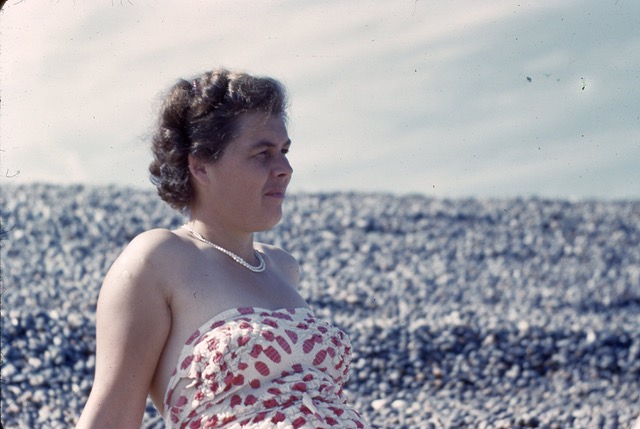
(200, 118)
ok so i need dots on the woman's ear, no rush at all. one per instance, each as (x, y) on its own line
(198, 170)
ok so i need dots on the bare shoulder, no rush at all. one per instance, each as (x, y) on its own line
(148, 259)
(151, 246)
(283, 260)
(277, 254)
(155, 241)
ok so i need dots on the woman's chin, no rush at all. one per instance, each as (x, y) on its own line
(270, 222)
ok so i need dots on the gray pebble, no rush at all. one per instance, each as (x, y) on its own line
(508, 313)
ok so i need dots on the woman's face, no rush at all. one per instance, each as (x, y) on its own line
(249, 181)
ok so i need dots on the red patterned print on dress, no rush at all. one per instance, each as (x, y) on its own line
(256, 368)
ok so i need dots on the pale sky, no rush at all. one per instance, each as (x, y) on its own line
(447, 99)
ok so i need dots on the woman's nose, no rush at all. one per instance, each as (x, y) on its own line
(283, 168)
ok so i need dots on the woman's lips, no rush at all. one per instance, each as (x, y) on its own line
(278, 193)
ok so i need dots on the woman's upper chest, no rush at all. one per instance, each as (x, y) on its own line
(205, 287)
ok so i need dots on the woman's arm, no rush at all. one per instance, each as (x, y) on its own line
(132, 324)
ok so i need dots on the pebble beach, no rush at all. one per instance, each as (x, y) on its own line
(463, 313)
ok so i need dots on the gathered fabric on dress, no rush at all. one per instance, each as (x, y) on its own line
(257, 368)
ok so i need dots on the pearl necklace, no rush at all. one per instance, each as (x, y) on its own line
(256, 269)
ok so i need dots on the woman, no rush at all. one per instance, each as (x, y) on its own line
(206, 321)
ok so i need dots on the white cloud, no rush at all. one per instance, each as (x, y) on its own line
(396, 97)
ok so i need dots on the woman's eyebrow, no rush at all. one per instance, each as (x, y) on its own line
(269, 143)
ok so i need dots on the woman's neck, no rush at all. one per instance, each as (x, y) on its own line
(240, 243)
